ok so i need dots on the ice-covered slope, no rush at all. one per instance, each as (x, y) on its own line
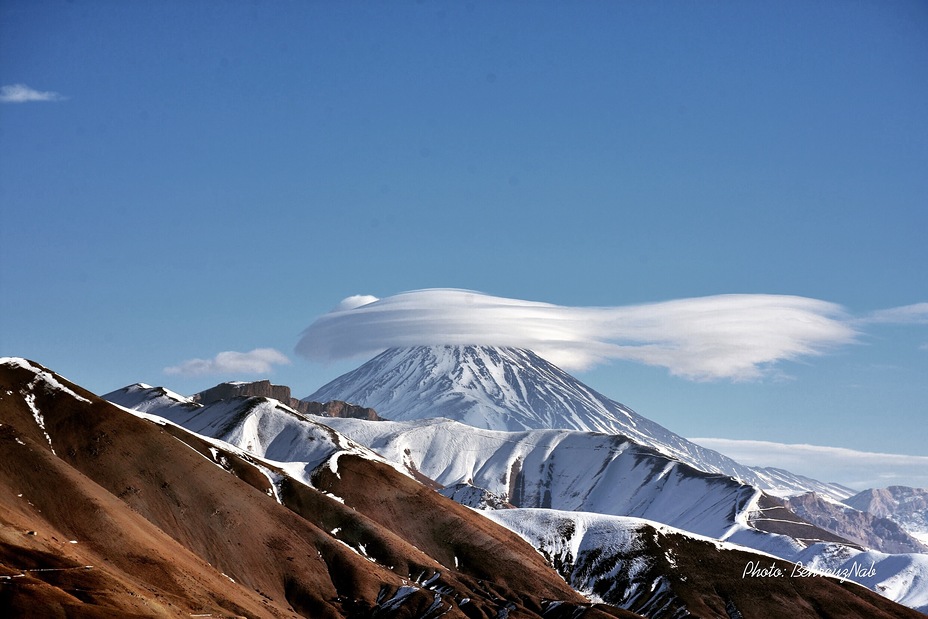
(513, 389)
(492, 388)
(613, 476)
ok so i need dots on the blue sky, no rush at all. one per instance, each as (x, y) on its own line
(209, 177)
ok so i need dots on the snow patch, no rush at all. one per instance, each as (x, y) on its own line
(398, 599)
(41, 375)
(39, 419)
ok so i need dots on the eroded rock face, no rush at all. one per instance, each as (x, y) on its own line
(906, 506)
(259, 388)
(264, 389)
(871, 530)
(337, 408)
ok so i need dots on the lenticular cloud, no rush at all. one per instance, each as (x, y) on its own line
(736, 337)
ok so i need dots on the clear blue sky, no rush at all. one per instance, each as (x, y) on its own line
(213, 176)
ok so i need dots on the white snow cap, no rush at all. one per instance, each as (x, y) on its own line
(736, 336)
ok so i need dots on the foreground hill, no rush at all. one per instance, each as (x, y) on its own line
(108, 514)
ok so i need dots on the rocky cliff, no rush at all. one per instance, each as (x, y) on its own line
(264, 389)
(867, 529)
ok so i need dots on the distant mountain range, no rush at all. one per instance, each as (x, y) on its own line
(274, 511)
(906, 506)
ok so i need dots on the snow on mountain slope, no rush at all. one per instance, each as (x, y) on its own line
(611, 475)
(493, 388)
(259, 426)
(145, 398)
(783, 483)
(167, 523)
(562, 469)
(541, 468)
(656, 570)
(514, 389)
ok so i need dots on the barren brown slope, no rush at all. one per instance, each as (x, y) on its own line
(170, 532)
(54, 521)
(143, 501)
(451, 533)
(715, 582)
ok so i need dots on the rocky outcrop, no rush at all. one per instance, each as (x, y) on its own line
(337, 408)
(474, 497)
(264, 389)
(867, 529)
(259, 388)
(775, 515)
(907, 506)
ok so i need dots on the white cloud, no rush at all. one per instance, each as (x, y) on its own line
(728, 336)
(355, 301)
(20, 93)
(257, 361)
(915, 314)
(856, 469)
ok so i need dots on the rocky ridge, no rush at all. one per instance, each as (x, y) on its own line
(281, 393)
(862, 527)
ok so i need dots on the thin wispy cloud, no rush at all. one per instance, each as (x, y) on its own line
(915, 314)
(738, 337)
(257, 361)
(856, 469)
(20, 93)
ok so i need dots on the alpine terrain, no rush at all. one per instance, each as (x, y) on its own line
(514, 389)
(149, 503)
(653, 476)
(533, 436)
(110, 513)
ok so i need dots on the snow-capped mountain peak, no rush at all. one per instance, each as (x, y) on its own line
(513, 389)
(486, 387)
